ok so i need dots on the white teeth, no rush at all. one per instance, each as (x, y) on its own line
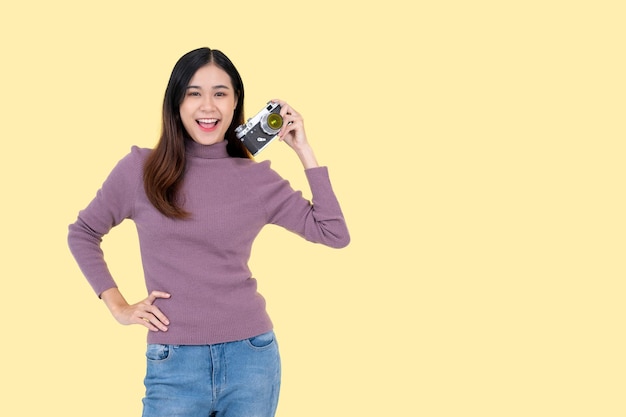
(207, 121)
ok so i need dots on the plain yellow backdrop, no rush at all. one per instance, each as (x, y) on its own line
(477, 148)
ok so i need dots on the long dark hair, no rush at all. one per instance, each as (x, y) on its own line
(165, 166)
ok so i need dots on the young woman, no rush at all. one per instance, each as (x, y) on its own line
(199, 201)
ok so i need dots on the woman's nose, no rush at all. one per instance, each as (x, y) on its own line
(208, 103)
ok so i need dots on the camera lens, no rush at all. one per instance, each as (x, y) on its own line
(275, 121)
(272, 123)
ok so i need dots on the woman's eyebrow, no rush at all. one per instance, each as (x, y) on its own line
(215, 87)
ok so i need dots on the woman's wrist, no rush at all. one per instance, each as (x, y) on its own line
(307, 157)
(114, 300)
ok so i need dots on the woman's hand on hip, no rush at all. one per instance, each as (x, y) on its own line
(144, 312)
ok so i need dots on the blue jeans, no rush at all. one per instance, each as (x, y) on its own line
(235, 379)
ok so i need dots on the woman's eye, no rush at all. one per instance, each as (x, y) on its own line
(193, 93)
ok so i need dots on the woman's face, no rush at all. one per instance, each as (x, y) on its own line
(207, 109)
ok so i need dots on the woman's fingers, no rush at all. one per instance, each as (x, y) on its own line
(153, 319)
(157, 294)
(292, 131)
(148, 323)
(149, 315)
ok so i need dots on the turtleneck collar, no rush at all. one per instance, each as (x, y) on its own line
(215, 151)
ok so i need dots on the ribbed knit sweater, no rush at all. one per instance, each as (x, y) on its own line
(203, 261)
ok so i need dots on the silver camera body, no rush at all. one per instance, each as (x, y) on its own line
(261, 129)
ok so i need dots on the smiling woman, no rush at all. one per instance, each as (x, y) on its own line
(209, 105)
(199, 201)
(190, 95)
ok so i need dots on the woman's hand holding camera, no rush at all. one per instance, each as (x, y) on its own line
(292, 133)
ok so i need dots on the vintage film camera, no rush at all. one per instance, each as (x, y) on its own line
(261, 129)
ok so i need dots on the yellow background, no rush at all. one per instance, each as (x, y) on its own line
(477, 148)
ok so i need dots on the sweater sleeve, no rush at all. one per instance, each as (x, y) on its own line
(113, 203)
(320, 220)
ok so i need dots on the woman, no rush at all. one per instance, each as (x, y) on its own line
(199, 201)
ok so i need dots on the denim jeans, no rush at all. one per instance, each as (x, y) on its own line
(235, 379)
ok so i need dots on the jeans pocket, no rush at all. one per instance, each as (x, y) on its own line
(261, 341)
(157, 352)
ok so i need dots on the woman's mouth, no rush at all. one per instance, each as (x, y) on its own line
(207, 125)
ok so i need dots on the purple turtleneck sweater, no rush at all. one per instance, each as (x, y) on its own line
(203, 261)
